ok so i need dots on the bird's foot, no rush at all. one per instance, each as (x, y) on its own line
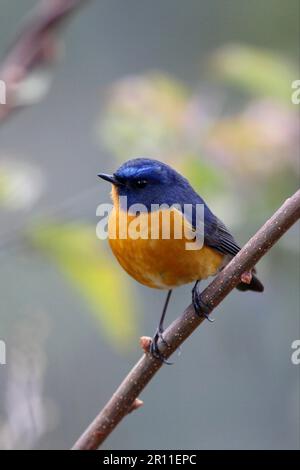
(201, 308)
(154, 349)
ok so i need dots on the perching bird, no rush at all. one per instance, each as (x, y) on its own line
(165, 263)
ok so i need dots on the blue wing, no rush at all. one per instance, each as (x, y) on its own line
(216, 235)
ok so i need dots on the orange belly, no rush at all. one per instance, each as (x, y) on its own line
(161, 263)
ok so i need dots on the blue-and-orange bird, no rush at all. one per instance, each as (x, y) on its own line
(165, 263)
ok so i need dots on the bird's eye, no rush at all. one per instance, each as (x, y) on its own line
(140, 183)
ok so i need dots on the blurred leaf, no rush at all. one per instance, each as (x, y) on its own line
(21, 184)
(202, 175)
(78, 253)
(258, 71)
(144, 116)
(257, 143)
(33, 88)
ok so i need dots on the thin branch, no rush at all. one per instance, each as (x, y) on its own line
(122, 401)
(36, 46)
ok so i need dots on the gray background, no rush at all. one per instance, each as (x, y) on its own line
(234, 385)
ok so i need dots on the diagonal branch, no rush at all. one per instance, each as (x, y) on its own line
(124, 399)
(35, 48)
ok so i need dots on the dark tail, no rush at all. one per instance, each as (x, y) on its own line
(254, 285)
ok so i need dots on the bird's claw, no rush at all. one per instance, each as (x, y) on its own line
(201, 308)
(154, 349)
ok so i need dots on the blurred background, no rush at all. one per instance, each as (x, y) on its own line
(206, 87)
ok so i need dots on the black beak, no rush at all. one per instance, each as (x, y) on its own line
(110, 178)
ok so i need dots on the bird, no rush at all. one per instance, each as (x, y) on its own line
(148, 194)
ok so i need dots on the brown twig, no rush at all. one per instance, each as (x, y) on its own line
(123, 399)
(36, 46)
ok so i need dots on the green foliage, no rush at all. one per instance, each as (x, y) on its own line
(21, 184)
(143, 116)
(107, 289)
(203, 176)
(257, 71)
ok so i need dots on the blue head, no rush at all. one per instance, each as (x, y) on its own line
(146, 181)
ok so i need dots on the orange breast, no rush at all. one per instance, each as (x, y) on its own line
(160, 263)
